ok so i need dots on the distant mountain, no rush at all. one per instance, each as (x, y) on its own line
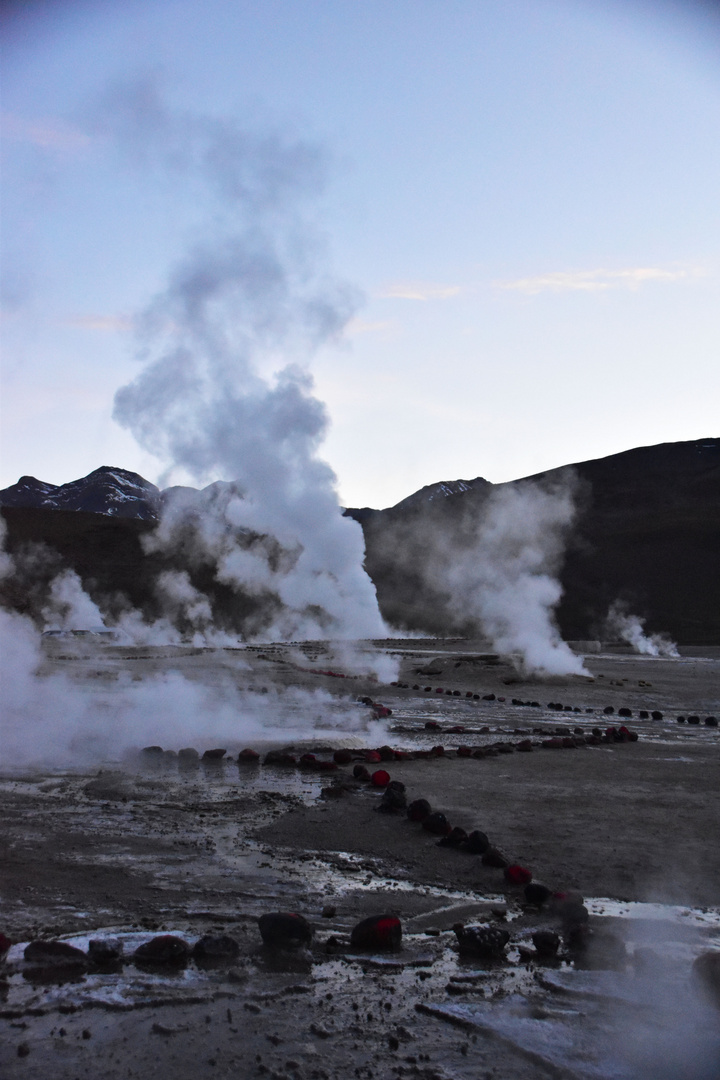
(647, 532)
(115, 492)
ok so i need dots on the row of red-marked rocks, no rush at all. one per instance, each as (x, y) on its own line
(562, 738)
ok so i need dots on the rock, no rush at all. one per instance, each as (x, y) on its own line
(431, 725)
(393, 801)
(188, 756)
(525, 746)
(625, 712)
(464, 751)
(656, 714)
(454, 838)
(680, 720)
(706, 973)
(644, 714)
(279, 757)
(477, 843)
(546, 942)
(419, 810)
(342, 757)
(360, 772)
(383, 932)
(517, 875)
(380, 778)
(5, 944)
(537, 894)
(487, 941)
(488, 697)
(105, 952)
(216, 949)
(285, 930)
(54, 953)
(437, 824)
(494, 857)
(163, 950)
(308, 761)
(386, 753)
(329, 911)
(248, 757)
(152, 751)
(693, 719)
(214, 755)
(711, 721)
(372, 757)
(608, 710)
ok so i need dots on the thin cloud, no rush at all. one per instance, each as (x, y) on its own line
(418, 290)
(596, 280)
(50, 134)
(108, 324)
(360, 326)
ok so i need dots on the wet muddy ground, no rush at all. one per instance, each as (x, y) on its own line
(130, 848)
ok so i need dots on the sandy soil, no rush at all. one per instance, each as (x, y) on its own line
(132, 850)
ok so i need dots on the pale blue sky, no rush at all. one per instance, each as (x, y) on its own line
(525, 194)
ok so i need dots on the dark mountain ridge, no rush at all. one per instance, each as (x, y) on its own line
(647, 532)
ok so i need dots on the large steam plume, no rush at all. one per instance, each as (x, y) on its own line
(224, 390)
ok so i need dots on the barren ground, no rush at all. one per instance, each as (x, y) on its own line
(130, 849)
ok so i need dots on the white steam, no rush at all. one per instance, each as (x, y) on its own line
(252, 297)
(69, 607)
(631, 628)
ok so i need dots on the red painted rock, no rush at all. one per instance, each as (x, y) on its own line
(165, 949)
(437, 824)
(285, 930)
(380, 778)
(248, 757)
(419, 810)
(308, 760)
(525, 746)
(438, 751)
(464, 751)
(458, 729)
(342, 757)
(326, 766)
(439, 690)
(517, 875)
(383, 932)
(372, 757)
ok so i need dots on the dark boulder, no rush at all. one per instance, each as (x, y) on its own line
(419, 810)
(477, 843)
(537, 894)
(214, 755)
(164, 950)
(546, 942)
(437, 824)
(248, 757)
(54, 953)
(215, 949)
(285, 930)
(494, 857)
(105, 952)
(485, 941)
(382, 932)
(454, 838)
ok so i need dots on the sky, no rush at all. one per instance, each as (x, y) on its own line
(519, 200)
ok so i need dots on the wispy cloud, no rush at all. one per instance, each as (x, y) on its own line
(418, 290)
(361, 326)
(49, 133)
(108, 324)
(597, 280)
